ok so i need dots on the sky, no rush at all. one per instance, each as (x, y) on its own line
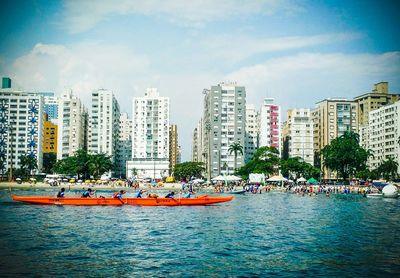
(298, 52)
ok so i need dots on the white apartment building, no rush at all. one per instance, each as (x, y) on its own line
(252, 132)
(224, 124)
(125, 141)
(72, 125)
(270, 124)
(298, 135)
(150, 136)
(104, 126)
(384, 135)
(21, 128)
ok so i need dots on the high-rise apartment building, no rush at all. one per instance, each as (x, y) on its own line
(384, 135)
(72, 125)
(297, 133)
(50, 106)
(331, 119)
(224, 124)
(270, 124)
(104, 127)
(21, 128)
(252, 132)
(371, 101)
(150, 136)
(198, 154)
(125, 142)
(49, 135)
(173, 147)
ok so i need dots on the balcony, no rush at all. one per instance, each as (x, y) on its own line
(274, 108)
(274, 126)
(274, 120)
(275, 139)
(274, 114)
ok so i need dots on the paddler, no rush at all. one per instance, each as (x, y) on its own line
(60, 193)
(119, 194)
(170, 195)
(88, 193)
(139, 193)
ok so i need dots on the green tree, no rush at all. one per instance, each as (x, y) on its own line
(28, 163)
(188, 169)
(388, 169)
(264, 161)
(235, 148)
(49, 160)
(295, 167)
(344, 155)
(99, 164)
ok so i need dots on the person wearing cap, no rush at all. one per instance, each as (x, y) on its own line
(88, 193)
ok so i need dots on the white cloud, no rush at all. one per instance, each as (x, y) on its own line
(304, 79)
(83, 15)
(242, 47)
(81, 67)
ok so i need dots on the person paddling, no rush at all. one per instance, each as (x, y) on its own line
(88, 193)
(119, 194)
(60, 193)
(170, 195)
(188, 194)
(139, 193)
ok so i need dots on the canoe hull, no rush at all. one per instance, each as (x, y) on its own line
(49, 200)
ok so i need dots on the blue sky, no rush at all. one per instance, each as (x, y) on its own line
(296, 51)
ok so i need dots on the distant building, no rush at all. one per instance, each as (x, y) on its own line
(49, 135)
(270, 124)
(125, 144)
(72, 125)
(173, 147)
(224, 123)
(50, 106)
(252, 132)
(21, 128)
(150, 136)
(384, 135)
(6, 83)
(198, 154)
(297, 133)
(104, 127)
(331, 119)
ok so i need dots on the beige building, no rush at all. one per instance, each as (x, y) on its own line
(377, 98)
(331, 119)
(297, 134)
(173, 147)
(72, 125)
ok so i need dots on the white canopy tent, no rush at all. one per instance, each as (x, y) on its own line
(277, 178)
(301, 179)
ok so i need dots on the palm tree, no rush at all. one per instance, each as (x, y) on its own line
(388, 169)
(236, 148)
(28, 163)
(99, 164)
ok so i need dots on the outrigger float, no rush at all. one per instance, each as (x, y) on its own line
(77, 201)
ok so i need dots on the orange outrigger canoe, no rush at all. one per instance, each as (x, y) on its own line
(77, 201)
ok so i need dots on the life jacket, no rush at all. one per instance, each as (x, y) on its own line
(115, 195)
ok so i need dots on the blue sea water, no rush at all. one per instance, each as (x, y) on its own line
(271, 234)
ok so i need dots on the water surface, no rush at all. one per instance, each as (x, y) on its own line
(254, 235)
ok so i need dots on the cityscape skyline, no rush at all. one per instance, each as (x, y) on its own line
(296, 53)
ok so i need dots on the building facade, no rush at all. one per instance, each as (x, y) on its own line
(331, 119)
(104, 127)
(270, 124)
(252, 132)
(150, 136)
(198, 154)
(297, 133)
(384, 135)
(72, 125)
(21, 128)
(224, 124)
(125, 142)
(173, 147)
(50, 106)
(49, 135)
